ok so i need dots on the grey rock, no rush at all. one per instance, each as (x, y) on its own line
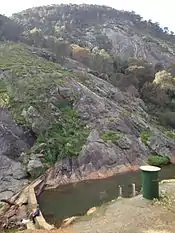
(64, 92)
(6, 195)
(13, 141)
(24, 158)
(162, 145)
(35, 167)
(125, 143)
(94, 137)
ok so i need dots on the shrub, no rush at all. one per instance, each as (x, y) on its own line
(167, 119)
(157, 160)
(153, 94)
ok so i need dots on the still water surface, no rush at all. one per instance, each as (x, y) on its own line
(76, 199)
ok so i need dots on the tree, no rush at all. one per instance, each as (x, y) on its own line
(62, 49)
(166, 30)
(165, 80)
(158, 67)
(81, 54)
(154, 94)
(140, 70)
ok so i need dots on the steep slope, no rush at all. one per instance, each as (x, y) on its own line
(69, 103)
(83, 123)
(118, 32)
(29, 93)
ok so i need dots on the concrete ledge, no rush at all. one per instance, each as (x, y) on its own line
(167, 181)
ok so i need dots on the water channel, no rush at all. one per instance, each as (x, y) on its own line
(76, 199)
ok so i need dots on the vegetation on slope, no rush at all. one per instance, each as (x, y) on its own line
(96, 27)
(46, 19)
(28, 89)
(9, 30)
(29, 84)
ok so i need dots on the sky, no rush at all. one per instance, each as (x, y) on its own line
(156, 10)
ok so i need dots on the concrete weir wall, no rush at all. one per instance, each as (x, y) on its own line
(32, 204)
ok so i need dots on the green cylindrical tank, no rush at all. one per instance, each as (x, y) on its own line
(150, 182)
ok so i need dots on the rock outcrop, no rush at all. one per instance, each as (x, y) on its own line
(116, 121)
(35, 167)
(13, 141)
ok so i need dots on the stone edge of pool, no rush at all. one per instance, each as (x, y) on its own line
(55, 182)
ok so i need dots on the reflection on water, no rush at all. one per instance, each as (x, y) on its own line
(76, 199)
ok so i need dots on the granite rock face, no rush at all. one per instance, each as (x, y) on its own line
(114, 143)
(13, 141)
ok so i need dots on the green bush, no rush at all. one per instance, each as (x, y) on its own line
(156, 160)
(168, 119)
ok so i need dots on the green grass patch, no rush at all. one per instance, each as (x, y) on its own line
(145, 135)
(111, 135)
(20, 59)
(170, 134)
(156, 160)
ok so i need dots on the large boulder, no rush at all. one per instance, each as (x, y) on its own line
(35, 167)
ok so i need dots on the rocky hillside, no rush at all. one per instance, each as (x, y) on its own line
(118, 32)
(9, 30)
(85, 111)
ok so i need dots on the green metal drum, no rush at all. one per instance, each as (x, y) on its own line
(150, 182)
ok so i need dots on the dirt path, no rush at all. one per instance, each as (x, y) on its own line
(45, 231)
